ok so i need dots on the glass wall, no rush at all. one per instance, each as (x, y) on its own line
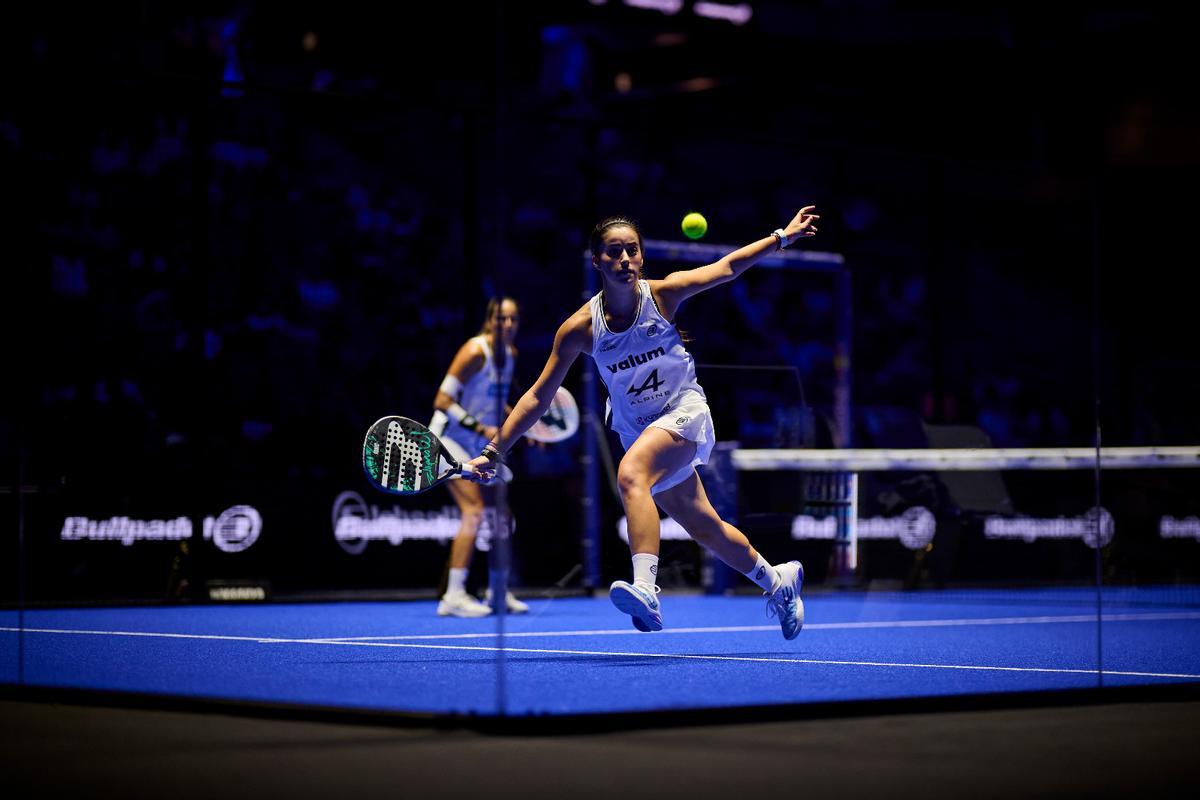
(1146, 378)
(256, 236)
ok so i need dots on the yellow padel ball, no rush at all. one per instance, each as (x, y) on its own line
(694, 225)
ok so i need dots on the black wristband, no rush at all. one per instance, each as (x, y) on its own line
(469, 422)
(492, 454)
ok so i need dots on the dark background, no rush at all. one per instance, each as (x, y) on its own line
(240, 232)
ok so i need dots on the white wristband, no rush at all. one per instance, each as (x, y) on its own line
(451, 386)
(781, 236)
(462, 417)
(456, 412)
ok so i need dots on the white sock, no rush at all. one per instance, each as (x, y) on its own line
(457, 582)
(645, 568)
(764, 575)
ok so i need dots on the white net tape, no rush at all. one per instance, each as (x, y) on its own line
(962, 459)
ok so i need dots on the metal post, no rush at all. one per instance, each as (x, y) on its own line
(847, 524)
(843, 420)
(721, 485)
(836, 494)
(589, 458)
(846, 556)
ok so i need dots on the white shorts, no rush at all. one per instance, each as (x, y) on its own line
(691, 420)
(462, 443)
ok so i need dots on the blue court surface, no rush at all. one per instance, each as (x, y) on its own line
(581, 656)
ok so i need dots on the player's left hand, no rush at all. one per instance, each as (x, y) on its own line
(803, 225)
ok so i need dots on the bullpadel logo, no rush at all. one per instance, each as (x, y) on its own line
(355, 523)
(235, 529)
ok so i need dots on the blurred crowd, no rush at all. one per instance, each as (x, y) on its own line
(257, 268)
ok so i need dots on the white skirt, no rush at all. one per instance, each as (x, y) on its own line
(691, 420)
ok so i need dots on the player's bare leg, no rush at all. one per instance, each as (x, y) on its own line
(656, 454)
(470, 500)
(477, 505)
(688, 505)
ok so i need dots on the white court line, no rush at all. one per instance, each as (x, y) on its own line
(618, 654)
(153, 635)
(817, 626)
(755, 659)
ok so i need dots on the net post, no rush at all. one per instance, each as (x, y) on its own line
(846, 514)
(846, 561)
(835, 494)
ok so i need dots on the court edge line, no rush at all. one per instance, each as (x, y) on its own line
(918, 623)
(680, 656)
(817, 626)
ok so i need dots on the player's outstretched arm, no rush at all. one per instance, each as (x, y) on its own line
(679, 286)
(573, 337)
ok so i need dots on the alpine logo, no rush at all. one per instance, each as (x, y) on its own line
(633, 361)
(652, 384)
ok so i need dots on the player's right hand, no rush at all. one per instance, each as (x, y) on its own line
(480, 470)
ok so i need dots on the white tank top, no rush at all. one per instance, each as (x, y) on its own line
(480, 392)
(646, 368)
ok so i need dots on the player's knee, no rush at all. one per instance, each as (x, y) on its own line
(632, 479)
(471, 518)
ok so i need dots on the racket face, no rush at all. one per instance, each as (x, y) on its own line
(402, 456)
(560, 422)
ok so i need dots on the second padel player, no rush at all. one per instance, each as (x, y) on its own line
(467, 409)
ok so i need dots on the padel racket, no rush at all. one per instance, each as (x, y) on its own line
(560, 422)
(402, 456)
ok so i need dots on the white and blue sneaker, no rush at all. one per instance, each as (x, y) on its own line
(785, 601)
(640, 601)
(461, 604)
